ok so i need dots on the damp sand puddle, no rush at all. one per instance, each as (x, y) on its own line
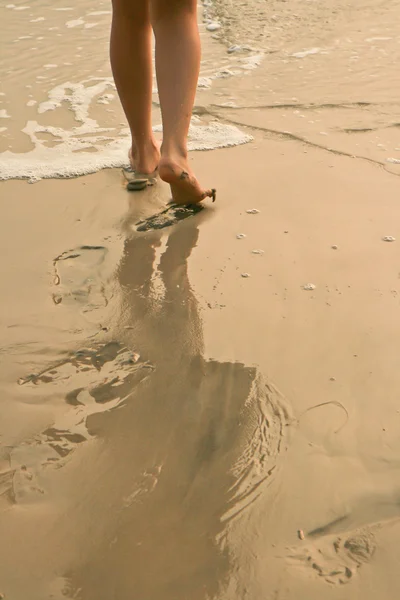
(164, 439)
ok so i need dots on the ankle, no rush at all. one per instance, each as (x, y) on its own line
(147, 146)
(145, 156)
(174, 153)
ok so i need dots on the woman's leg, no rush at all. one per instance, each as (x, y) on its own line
(177, 65)
(130, 53)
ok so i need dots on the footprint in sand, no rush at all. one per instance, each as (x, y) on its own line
(337, 559)
(94, 379)
(77, 275)
(168, 217)
(6, 479)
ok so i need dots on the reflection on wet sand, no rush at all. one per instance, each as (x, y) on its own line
(189, 449)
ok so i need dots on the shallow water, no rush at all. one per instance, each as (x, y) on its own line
(324, 71)
(59, 108)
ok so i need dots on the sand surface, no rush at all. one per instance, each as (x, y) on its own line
(203, 405)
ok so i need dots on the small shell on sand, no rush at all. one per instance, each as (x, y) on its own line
(252, 211)
(309, 287)
(388, 238)
(334, 247)
(245, 275)
(257, 251)
(240, 236)
(213, 27)
(300, 534)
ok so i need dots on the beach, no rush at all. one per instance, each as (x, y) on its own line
(203, 404)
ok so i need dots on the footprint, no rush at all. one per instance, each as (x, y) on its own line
(87, 363)
(337, 559)
(94, 380)
(171, 215)
(77, 274)
(6, 479)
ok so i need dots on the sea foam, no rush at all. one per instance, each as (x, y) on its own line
(88, 147)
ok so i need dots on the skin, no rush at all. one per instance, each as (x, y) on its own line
(177, 70)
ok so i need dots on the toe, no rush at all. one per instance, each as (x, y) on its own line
(209, 194)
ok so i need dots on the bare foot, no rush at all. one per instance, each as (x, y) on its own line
(146, 160)
(185, 188)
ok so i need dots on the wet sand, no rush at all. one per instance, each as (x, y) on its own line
(182, 417)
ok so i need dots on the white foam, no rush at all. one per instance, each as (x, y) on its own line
(305, 53)
(31, 103)
(68, 159)
(105, 99)
(74, 23)
(98, 13)
(204, 83)
(85, 148)
(90, 25)
(3, 129)
(37, 20)
(214, 135)
(239, 48)
(4, 114)
(78, 96)
(252, 62)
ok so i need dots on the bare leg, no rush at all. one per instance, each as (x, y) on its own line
(177, 66)
(130, 53)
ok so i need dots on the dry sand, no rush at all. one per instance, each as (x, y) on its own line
(173, 430)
